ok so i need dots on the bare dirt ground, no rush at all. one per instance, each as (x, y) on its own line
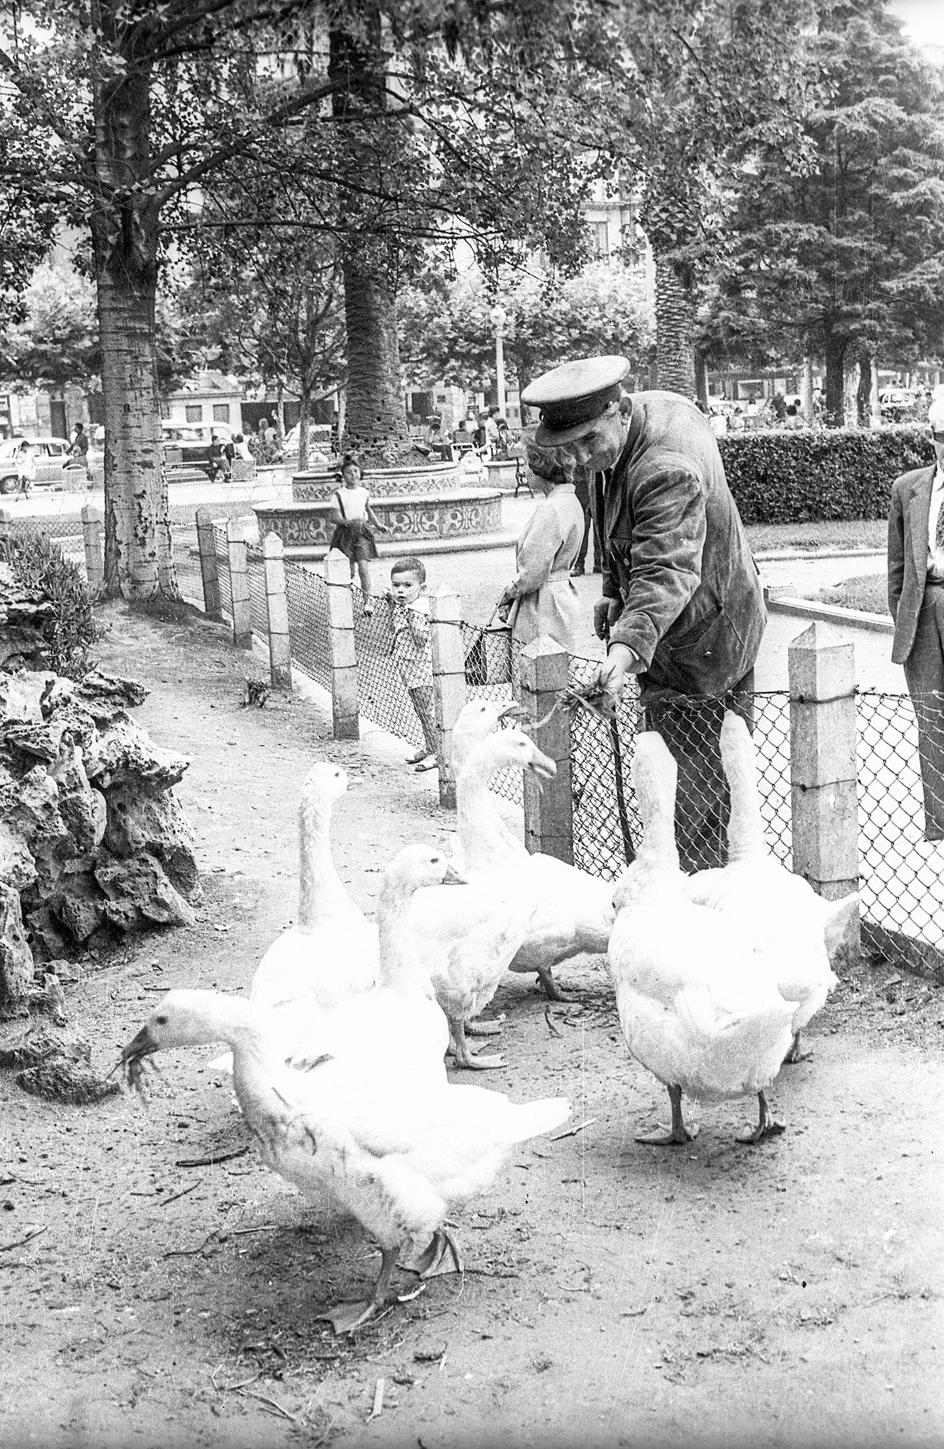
(788, 1294)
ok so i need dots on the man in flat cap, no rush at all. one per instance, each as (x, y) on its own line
(682, 604)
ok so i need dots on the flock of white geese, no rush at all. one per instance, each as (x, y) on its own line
(338, 1052)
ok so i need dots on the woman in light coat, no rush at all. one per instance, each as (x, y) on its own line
(542, 598)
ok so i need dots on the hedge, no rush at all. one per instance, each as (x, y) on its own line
(818, 474)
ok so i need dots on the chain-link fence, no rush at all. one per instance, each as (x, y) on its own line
(607, 827)
(492, 671)
(901, 875)
(66, 532)
(902, 884)
(307, 596)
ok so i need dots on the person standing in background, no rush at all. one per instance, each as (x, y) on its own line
(916, 604)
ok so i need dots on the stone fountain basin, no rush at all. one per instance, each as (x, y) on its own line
(453, 518)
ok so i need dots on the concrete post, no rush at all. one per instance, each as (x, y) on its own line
(94, 554)
(449, 690)
(548, 812)
(239, 584)
(823, 777)
(209, 572)
(342, 651)
(280, 654)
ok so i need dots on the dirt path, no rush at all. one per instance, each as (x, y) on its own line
(615, 1294)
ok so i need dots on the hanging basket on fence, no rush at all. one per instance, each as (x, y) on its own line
(488, 660)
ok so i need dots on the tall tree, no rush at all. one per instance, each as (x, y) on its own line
(708, 81)
(446, 331)
(418, 115)
(842, 257)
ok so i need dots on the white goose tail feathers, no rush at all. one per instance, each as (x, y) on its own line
(533, 1119)
(837, 920)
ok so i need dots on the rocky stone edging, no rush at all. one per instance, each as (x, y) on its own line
(93, 844)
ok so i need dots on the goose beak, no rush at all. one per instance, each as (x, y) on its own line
(510, 711)
(141, 1045)
(543, 766)
(452, 877)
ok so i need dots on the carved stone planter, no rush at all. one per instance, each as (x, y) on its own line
(314, 485)
(305, 528)
(502, 473)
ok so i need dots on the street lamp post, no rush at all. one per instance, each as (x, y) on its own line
(499, 317)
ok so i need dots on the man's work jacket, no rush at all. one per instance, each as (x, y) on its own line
(676, 555)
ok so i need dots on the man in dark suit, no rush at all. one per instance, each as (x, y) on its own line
(682, 603)
(916, 601)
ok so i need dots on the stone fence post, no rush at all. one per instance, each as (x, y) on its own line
(823, 776)
(548, 811)
(341, 648)
(449, 690)
(280, 653)
(209, 569)
(239, 584)
(94, 550)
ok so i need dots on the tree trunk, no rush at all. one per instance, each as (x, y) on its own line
(675, 329)
(375, 425)
(806, 391)
(701, 379)
(835, 353)
(138, 556)
(304, 412)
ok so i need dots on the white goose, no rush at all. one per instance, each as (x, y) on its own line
(468, 938)
(781, 908)
(332, 950)
(396, 1025)
(700, 1005)
(573, 910)
(398, 1159)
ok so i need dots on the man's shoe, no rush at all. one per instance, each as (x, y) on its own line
(576, 571)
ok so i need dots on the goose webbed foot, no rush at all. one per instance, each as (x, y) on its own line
(485, 1028)
(767, 1125)
(347, 1317)
(432, 1262)
(551, 988)
(464, 1057)
(794, 1055)
(678, 1134)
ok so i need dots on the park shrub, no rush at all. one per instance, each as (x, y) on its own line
(41, 569)
(808, 475)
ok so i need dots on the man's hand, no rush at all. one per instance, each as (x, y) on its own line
(505, 603)
(605, 614)
(611, 675)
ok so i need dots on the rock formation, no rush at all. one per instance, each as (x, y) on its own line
(93, 843)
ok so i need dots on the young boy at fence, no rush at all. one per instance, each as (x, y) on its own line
(409, 621)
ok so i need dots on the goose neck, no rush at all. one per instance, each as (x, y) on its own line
(478, 823)
(399, 951)
(319, 885)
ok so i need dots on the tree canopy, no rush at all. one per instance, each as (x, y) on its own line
(446, 332)
(838, 250)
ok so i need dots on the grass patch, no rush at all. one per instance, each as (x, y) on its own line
(868, 592)
(830, 536)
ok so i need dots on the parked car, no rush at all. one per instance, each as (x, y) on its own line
(898, 403)
(188, 444)
(40, 461)
(320, 440)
